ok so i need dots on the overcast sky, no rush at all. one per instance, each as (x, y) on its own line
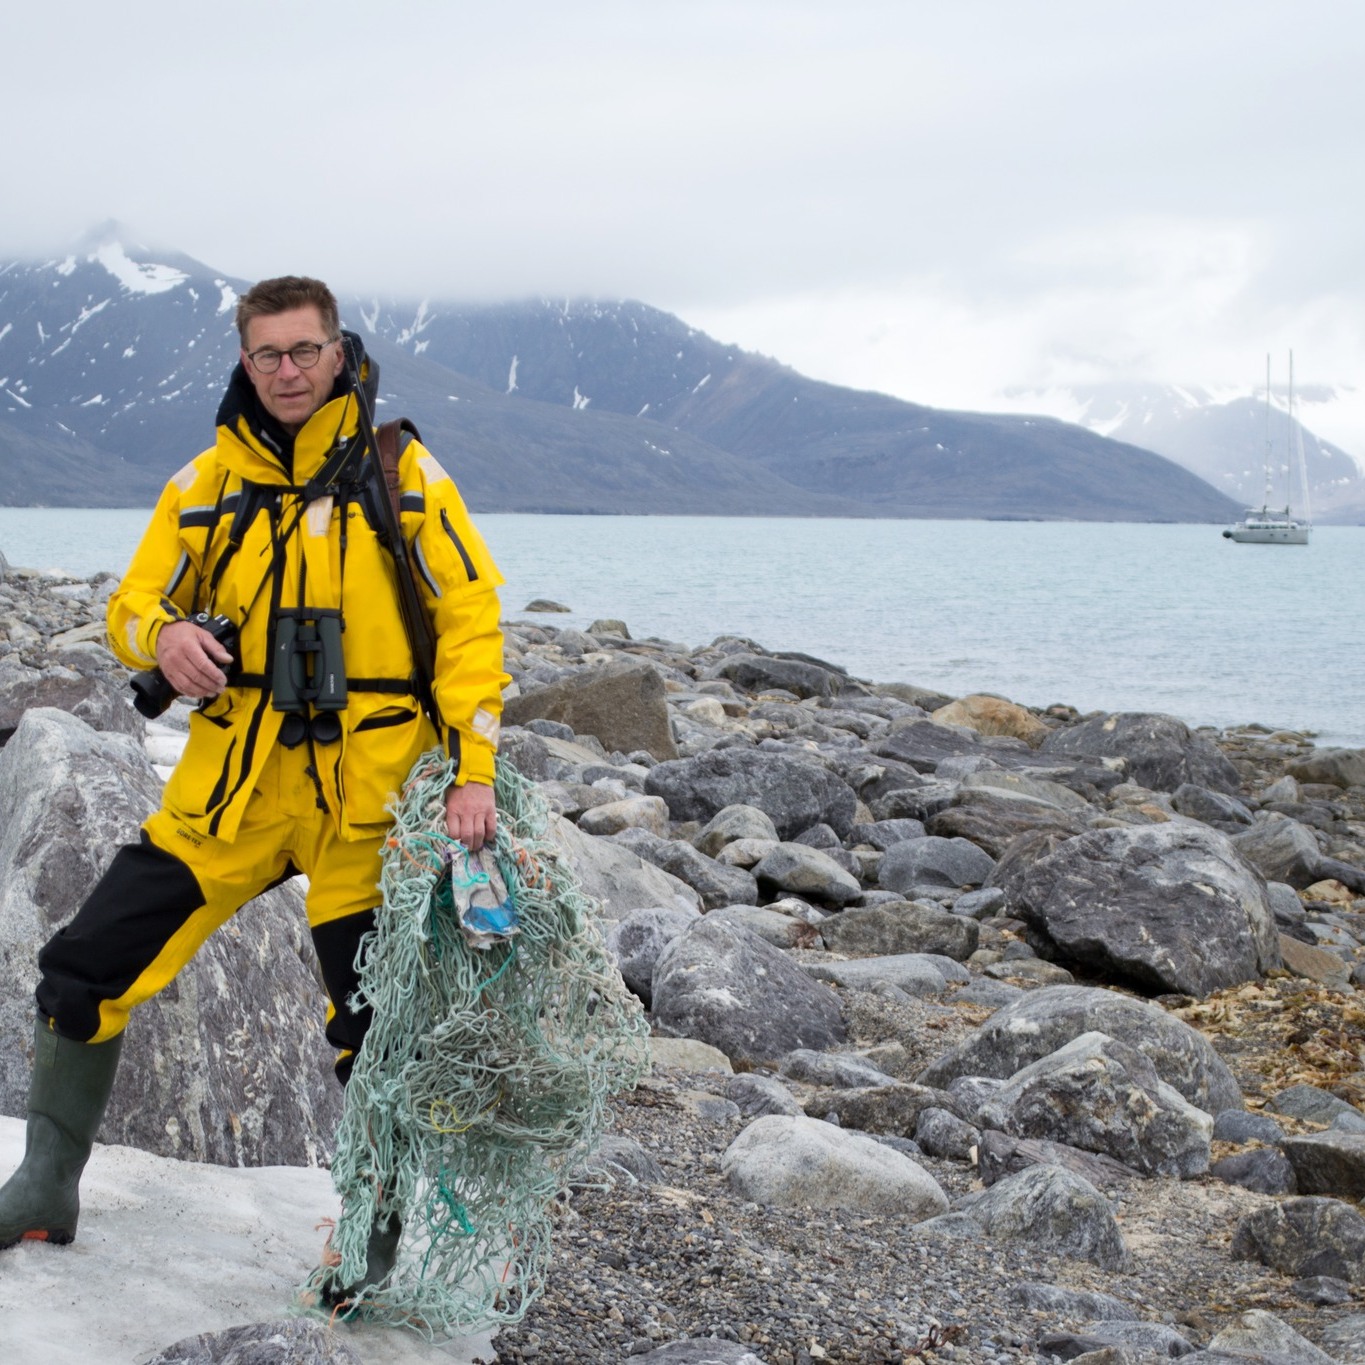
(940, 200)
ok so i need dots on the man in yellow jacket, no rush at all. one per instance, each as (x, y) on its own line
(304, 726)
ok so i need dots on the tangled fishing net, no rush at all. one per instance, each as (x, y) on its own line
(485, 1073)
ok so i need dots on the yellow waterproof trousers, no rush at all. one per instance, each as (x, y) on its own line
(162, 898)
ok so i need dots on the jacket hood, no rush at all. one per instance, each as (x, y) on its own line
(242, 415)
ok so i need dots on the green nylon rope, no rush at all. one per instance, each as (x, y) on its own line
(483, 1081)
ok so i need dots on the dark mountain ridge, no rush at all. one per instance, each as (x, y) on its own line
(113, 358)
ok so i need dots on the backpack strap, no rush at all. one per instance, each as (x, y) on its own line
(391, 446)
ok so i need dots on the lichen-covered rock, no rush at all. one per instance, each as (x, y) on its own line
(1302, 1237)
(638, 941)
(1167, 907)
(1160, 752)
(900, 927)
(227, 1065)
(794, 794)
(1041, 1021)
(299, 1341)
(1104, 1096)
(727, 987)
(1056, 1211)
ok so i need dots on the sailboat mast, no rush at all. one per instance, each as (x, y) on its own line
(1289, 444)
(1265, 497)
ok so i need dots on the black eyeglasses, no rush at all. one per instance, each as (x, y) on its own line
(305, 355)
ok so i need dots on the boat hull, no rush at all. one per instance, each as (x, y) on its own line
(1285, 533)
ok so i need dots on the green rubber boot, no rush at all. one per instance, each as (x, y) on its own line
(66, 1101)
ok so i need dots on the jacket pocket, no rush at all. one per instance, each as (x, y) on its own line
(380, 749)
(203, 777)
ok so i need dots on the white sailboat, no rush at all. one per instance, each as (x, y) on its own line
(1271, 526)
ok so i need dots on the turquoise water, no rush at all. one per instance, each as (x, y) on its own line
(1100, 616)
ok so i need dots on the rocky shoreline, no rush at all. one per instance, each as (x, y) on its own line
(982, 1033)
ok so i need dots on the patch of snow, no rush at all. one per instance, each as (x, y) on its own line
(66, 267)
(6, 330)
(580, 401)
(42, 335)
(138, 277)
(512, 375)
(420, 347)
(420, 323)
(1111, 424)
(641, 413)
(181, 1248)
(701, 383)
(370, 319)
(17, 399)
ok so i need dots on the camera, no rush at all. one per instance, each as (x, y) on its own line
(152, 694)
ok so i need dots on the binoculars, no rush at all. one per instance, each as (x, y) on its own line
(308, 673)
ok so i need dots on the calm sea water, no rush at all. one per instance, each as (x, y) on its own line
(1100, 616)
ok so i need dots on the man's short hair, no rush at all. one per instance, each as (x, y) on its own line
(283, 293)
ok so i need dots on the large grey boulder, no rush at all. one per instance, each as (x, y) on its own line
(634, 812)
(1104, 1096)
(1160, 752)
(992, 818)
(1041, 1021)
(917, 974)
(1166, 907)
(1328, 1163)
(900, 927)
(727, 987)
(794, 794)
(1054, 1210)
(731, 824)
(933, 863)
(1259, 1335)
(228, 1064)
(638, 941)
(1335, 767)
(1213, 808)
(893, 1109)
(1302, 1237)
(1086, 1305)
(714, 882)
(801, 677)
(924, 745)
(806, 871)
(300, 1341)
(622, 703)
(846, 1070)
(85, 680)
(1281, 851)
(617, 878)
(1313, 1103)
(802, 1163)
(1000, 1156)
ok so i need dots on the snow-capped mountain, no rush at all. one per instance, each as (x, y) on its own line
(113, 357)
(114, 348)
(1229, 438)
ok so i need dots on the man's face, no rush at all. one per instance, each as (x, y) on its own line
(292, 395)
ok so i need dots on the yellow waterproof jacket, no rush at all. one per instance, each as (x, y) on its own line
(332, 558)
